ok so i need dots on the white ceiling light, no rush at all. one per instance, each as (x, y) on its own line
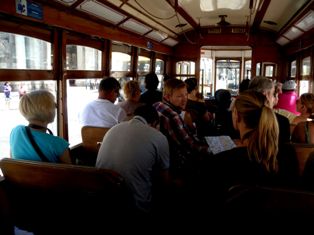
(307, 22)
(282, 41)
(293, 33)
(157, 35)
(211, 5)
(170, 42)
(102, 11)
(135, 26)
(67, 2)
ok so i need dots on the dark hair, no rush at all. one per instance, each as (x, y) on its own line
(223, 98)
(109, 84)
(191, 84)
(244, 85)
(148, 112)
(151, 81)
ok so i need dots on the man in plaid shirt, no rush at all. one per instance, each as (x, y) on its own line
(185, 149)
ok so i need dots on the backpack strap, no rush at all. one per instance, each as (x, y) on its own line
(35, 146)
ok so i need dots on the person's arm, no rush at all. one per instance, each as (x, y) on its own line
(65, 157)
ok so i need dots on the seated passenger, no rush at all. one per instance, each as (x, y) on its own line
(197, 108)
(132, 93)
(287, 99)
(267, 87)
(151, 95)
(145, 153)
(305, 106)
(102, 112)
(185, 149)
(39, 108)
(223, 115)
(256, 159)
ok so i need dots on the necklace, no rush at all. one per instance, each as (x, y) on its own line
(34, 126)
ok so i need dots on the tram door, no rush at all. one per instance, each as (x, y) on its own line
(228, 75)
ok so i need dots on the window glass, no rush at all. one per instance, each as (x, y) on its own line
(206, 80)
(293, 69)
(9, 108)
(247, 69)
(22, 52)
(304, 87)
(258, 69)
(120, 61)
(185, 67)
(143, 64)
(228, 75)
(306, 66)
(159, 70)
(269, 70)
(82, 58)
(80, 92)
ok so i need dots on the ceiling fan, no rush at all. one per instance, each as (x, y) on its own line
(223, 21)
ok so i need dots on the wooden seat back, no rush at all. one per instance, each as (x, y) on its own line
(91, 140)
(39, 192)
(303, 152)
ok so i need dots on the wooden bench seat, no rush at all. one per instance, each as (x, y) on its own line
(54, 198)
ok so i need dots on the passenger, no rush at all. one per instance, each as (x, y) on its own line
(283, 112)
(145, 153)
(39, 108)
(303, 131)
(102, 112)
(256, 159)
(151, 95)
(223, 114)
(305, 106)
(132, 93)
(244, 85)
(197, 108)
(185, 149)
(287, 100)
(267, 87)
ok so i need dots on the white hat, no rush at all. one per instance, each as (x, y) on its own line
(289, 85)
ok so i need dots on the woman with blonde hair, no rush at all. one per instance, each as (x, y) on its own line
(32, 142)
(256, 157)
(132, 93)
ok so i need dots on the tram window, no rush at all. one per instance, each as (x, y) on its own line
(143, 65)
(258, 69)
(84, 91)
(304, 87)
(293, 69)
(306, 66)
(120, 61)
(159, 70)
(206, 79)
(269, 71)
(10, 114)
(247, 69)
(22, 52)
(185, 67)
(82, 58)
(228, 75)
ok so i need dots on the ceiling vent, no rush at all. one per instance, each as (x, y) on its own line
(223, 21)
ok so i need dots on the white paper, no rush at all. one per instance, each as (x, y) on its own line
(219, 144)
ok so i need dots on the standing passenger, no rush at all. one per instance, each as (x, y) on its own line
(102, 112)
(39, 108)
(145, 153)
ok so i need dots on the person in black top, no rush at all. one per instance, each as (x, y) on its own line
(151, 95)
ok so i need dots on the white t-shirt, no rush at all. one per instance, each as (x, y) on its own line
(101, 113)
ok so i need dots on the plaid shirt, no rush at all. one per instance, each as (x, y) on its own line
(173, 127)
